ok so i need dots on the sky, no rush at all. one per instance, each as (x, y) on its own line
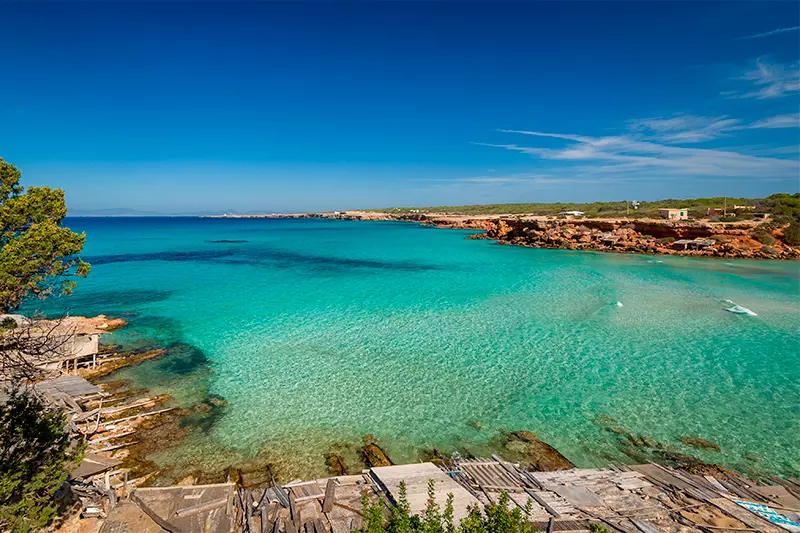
(207, 107)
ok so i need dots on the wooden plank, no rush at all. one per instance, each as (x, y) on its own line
(299, 484)
(163, 524)
(201, 508)
(294, 511)
(541, 501)
(284, 501)
(330, 496)
(304, 499)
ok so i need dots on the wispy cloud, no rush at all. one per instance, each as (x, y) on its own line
(624, 155)
(685, 128)
(792, 120)
(770, 33)
(771, 80)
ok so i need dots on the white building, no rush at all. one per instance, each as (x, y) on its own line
(674, 214)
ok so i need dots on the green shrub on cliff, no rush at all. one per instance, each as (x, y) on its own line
(36, 452)
(763, 236)
(494, 518)
(792, 234)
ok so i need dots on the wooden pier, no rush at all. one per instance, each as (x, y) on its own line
(638, 499)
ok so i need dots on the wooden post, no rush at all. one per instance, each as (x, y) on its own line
(248, 511)
(295, 512)
(229, 508)
(330, 496)
(265, 518)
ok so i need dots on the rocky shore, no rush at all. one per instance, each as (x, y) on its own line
(742, 239)
(731, 240)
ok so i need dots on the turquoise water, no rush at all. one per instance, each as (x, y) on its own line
(319, 332)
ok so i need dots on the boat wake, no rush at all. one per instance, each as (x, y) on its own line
(738, 309)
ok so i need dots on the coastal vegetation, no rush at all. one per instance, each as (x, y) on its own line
(495, 518)
(777, 204)
(36, 452)
(38, 258)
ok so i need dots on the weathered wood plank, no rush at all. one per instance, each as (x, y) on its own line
(330, 496)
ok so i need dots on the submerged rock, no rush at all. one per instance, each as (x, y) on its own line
(697, 442)
(526, 448)
(434, 456)
(336, 464)
(373, 454)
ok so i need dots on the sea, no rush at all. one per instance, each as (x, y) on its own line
(319, 332)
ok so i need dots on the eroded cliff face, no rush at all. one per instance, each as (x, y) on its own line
(641, 236)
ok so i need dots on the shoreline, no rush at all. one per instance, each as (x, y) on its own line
(747, 239)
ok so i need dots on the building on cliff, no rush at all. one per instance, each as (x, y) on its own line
(674, 214)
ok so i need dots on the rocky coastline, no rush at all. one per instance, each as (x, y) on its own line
(746, 239)
(730, 240)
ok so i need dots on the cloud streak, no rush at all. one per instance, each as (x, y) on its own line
(771, 80)
(770, 33)
(686, 129)
(621, 156)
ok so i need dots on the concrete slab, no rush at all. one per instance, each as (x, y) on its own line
(416, 478)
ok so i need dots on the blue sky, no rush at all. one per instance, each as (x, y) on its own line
(188, 107)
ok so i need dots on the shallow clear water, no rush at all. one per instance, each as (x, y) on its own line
(318, 332)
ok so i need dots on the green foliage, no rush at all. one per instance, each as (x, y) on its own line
(763, 236)
(597, 528)
(495, 518)
(783, 207)
(696, 207)
(792, 233)
(38, 257)
(36, 452)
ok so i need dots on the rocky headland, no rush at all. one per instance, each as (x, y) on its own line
(732, 240)
(741, 239)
